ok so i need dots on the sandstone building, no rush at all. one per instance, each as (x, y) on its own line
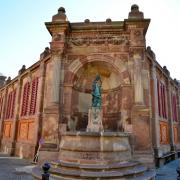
(54, 94)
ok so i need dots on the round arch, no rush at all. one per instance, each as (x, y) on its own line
(76, 65)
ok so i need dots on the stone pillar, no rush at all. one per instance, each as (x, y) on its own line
(170, 119)
(137, 48)
(137, 58)
(155, 120)
(56, 78)
(52, 114)
(140, 114)
(138, 88)
(48, 118)
(40, 99)
(127, 99)
(58, 29)
(67, 102)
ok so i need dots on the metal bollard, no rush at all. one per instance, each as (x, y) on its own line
(178, 171)
(45, 175)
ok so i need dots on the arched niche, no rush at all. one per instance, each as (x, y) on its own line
(111, 94)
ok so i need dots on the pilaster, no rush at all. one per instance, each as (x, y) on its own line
(40, 99)
(137, 57)
(140, 113)
(3, 114)
(53, 113)
(155, 119)
(17, 112)
(170, 118)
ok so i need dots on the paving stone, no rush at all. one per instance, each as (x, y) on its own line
(14, 168)
(168, 171)
(9, 165)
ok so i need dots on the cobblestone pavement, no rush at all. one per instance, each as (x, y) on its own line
(168, 172)
(13, 168)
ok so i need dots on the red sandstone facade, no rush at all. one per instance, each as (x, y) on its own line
(139, 95)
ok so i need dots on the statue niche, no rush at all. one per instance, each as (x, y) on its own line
(95, 115)
(96, 84)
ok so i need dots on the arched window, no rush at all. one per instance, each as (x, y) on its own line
(25, 99)
(161, 99)
(10, 104)
(34, 89)
(174, 107)
(13, 104)
(1, 105)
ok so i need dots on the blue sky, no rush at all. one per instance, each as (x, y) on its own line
(23, 35)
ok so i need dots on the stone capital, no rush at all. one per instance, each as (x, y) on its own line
(136, 51)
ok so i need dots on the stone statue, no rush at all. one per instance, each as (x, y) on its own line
(95, 114)
(96, 92)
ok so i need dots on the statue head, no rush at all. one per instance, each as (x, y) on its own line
(98, 77)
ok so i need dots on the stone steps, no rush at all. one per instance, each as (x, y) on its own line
(64, 170)
(98, 174)
(97, 156)
(94, 166)
(147, 175)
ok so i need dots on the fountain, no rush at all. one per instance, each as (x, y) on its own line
(95, 153)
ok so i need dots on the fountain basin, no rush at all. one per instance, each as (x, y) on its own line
(95, 146)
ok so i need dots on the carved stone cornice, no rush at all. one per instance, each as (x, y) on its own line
(137, 23)
(56, 27)
(99, 39)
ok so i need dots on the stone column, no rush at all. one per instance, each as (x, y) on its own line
(138, 79)
(155, 119)
(56, 77)
(137, 57)
(170, 119)
(126, 91)
(67, 100)
(58, 28)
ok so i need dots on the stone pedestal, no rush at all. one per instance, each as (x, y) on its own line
(95, 120)
(95, 155)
